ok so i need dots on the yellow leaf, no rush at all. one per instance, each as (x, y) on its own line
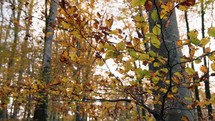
(64, 44)
(188, 98)
(109, 22)
(155, 79)
(213, 66)
(135, 3)
(100, 47)
(115, 32)
(48, 34)
(175, 89)
(204, 41)
(176, 79)
(156, 30)
(65, 25)
(73, 57)
(170, 96)
(139, 18)
(190, 71)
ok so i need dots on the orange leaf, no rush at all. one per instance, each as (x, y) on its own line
(64, 57)
(204, 69)
(184, 118)
(207, 50)
(179, 43)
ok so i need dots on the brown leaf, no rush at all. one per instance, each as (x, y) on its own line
(188, 3)
(148, 5)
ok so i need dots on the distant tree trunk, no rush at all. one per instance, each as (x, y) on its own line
(2, 23)
(168, 49)
(41, 110)
(199, 111)
(11, 61)
(23, 57)
(207, 83)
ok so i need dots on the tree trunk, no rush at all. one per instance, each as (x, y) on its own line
(199, 111)
(11, 61)
(41, 111)
(207, 83)
(168, 49)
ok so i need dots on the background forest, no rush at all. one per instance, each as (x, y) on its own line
(107, 60)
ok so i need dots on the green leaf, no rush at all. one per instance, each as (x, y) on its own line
(193, 37)
(165, 70)
(128, 66)
(135, 3)
(190, 71)
(120, 46)
(211, 31)
(109, 54)
(155, 79)
(197, 61)
(152, 53)
(146, 74)
(156, 64)
(188, 98)
(133, 54)
(144, 57)
(155, 42)
(193, 34)
(157, 29)
(139, 73)
(139, 18)
(174, 89)
(150, 35)
(154, 15)
(195, 41)
(109, 47)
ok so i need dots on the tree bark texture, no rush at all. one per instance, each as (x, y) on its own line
(41, 111)
(168, 49)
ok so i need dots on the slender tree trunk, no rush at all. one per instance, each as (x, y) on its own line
(23, 56)
(207, 83)
(168, 49)
(196, 90)
(41, 110)
(11, 60)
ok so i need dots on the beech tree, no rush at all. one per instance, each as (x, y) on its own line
(107, 60)
(168, 49)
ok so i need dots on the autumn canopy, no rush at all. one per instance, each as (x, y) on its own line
(111, 60)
